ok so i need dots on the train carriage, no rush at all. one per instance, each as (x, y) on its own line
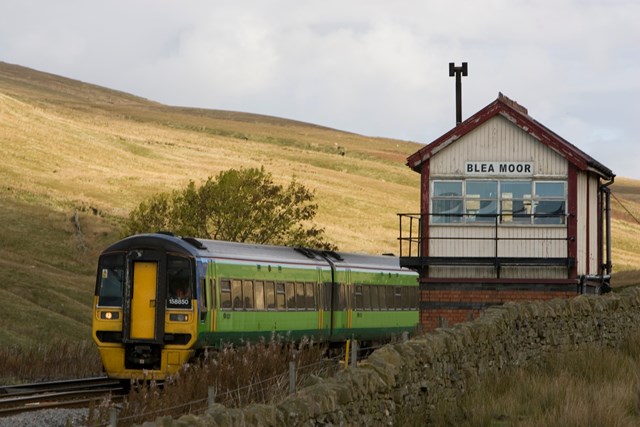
(161, 298)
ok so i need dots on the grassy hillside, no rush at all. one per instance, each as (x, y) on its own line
(76, 158)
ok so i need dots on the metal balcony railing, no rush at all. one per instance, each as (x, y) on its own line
(413, 242)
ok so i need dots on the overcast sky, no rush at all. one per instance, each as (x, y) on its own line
(378, 68)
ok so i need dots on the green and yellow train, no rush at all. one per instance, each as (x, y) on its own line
(160, 299)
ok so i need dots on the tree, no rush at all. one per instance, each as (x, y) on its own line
(238, 205)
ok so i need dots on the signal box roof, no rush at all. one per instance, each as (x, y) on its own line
(519, 116)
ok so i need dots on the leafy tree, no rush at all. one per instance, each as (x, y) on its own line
(238, 205)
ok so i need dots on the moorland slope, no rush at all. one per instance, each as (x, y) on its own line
(76, 158)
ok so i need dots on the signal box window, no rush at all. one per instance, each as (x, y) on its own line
(110, 280)
(550, 207)
(481, 201)
(447, 202)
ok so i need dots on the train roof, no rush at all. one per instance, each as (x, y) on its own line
(218, 249)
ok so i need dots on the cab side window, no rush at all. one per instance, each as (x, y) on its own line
(179, 282)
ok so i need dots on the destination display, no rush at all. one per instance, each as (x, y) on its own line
(499, 168)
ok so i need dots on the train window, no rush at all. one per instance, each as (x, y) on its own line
(270, 295)
(358, 297)
(375, 302)
(326, 300)
(236, 294)
(311, 299)
(411, 297)
(110, 280)
(300, 300)
(389, 298)
(366, 297)
(258, 288)
(225, 294)
(397, 297)
(179, 282)
(280, 296)
(291, 295)
(340, 302)
(247, 293)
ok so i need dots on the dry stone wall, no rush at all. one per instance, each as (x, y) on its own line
(400, 381)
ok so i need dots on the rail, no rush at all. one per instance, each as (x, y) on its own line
(16, 399)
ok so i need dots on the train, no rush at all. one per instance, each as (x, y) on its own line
(161, 299)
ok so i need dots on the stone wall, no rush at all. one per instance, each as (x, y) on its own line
(402, 380)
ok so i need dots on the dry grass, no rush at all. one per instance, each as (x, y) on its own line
(53, 360)
(257, 373)
(595, 386)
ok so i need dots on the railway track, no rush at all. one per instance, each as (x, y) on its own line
(16, 399)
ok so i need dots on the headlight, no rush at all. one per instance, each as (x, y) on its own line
(109, 315)
(179, 317)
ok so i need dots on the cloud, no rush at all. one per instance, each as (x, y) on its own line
(373, 67)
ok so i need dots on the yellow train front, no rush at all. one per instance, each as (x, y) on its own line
(144, 322)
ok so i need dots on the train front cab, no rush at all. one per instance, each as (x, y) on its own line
(145, 312)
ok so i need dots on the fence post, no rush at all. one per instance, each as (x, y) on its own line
(292, 377)
(211, 396)
(354, 353)
(113, 417)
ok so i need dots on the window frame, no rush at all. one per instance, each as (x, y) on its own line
(532, 200)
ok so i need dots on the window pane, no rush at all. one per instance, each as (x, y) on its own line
(327, 295)
(550, 189)
(270, 295)
(375, 301)
(300, 300)
(247, 292)
(280, 296)
(407, 298)
(291, 295)
(516, 211)
(179, 282)
(516, 189)
(366, 297)
(549, 212)
(258, 289)
(482, 210)
(390, 298)
(236, 294)
(397, 297)
(111, 280)
(225, 294)
(447, 211)
(358, 297)
(447, 189)
(311, 300)
(482, 189)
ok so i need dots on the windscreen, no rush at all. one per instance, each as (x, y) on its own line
(110, 280)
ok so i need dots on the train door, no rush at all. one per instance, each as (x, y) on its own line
(143, 300)
(143, 310)
(207, 297)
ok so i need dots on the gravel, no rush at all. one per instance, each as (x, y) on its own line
(47, 418)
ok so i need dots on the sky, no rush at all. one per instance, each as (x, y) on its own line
(377, 68)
